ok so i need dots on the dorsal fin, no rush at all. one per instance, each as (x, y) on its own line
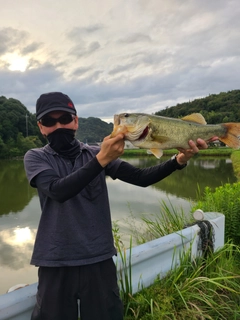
(195, 117)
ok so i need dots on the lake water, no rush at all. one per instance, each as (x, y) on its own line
(20, 210)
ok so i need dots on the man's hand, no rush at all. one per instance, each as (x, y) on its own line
(111, 149)
(186, 154)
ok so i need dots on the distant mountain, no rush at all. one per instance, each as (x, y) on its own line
(216, 108)
(91, 130)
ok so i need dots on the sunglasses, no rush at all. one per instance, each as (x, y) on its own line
(50, 122)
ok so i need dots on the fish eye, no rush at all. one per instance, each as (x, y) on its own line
(126, 115)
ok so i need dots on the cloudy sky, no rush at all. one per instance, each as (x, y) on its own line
(113, 56)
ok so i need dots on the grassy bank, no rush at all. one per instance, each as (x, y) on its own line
(200, 289)
(224, 151)
(207, 288)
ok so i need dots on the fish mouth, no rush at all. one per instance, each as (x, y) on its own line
(143, 134)
(116, 120)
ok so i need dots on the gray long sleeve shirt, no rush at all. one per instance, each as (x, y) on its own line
(75, 225)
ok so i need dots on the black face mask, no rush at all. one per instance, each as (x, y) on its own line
(64, 143)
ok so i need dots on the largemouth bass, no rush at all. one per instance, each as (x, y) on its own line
(158, 133)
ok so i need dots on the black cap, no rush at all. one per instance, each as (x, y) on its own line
(54, 101)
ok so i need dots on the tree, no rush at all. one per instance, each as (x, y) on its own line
(16, 123)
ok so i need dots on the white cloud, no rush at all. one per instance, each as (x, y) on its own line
(111, 57)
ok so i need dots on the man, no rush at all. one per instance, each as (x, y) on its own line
(74, 244)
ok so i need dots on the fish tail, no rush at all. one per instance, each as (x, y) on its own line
(232, 135)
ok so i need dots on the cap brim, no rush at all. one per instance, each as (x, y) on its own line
(56, 109)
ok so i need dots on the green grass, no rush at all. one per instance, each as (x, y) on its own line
(225, 199)
(201, 289)
(235, 157)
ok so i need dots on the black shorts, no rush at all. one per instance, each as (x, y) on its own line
(61, 290)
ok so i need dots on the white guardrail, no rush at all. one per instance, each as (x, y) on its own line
(149, 260)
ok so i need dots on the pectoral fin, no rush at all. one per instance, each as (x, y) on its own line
(157, 152)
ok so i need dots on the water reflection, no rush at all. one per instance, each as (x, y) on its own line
(16, 246)
(15, 192)
(200, 173)
(17, 234)
(20, 210)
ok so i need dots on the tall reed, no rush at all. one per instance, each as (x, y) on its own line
(123, 264)
(168, 220)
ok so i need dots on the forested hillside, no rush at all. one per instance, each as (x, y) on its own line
(216, 108)
(92, 130)
(19, 131)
